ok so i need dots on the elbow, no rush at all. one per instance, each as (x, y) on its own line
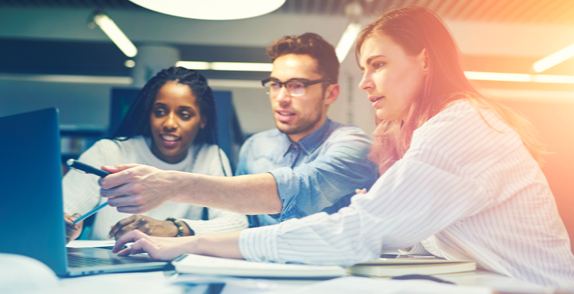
(276, 206)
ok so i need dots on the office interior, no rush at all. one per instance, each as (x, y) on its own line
(51, 55)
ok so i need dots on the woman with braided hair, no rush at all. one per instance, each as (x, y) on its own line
(171, 126)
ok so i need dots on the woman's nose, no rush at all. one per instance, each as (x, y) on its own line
(365, 83)
(170, 122)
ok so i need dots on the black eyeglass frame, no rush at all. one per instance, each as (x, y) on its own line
(284, 84)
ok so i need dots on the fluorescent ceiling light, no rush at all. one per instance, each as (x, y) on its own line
(553, 59)
(118, 37)
(347, 40)
(227, 66)
(211, 9)
(496, 76)
(70, 79)
(513, 77)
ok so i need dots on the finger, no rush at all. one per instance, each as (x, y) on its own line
(118, 167)
(141, 246)
(126, 229)
(132, 236)
(132, 209)
(120, 224)
(75, 216)
(121, 174)
(124, 200)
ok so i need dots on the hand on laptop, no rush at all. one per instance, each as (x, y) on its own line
(136, 188)
(145, 224)
(159, 248)
(73, 231)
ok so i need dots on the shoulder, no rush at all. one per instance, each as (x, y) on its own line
(261, 139)
(461, 120)
(211, 159)
(268, 135)
(462, 134)
(340, 131)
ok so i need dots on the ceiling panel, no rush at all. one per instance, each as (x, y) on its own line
(505, 11)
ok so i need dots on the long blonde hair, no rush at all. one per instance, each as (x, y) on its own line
(414, 29)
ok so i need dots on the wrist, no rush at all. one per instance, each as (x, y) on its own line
(179, 230)
(181, 184)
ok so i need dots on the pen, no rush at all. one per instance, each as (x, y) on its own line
(74, 164)
(86, 168)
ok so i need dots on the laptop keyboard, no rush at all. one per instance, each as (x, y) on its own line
(83, 261)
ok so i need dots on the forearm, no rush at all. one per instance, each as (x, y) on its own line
(220, 245)
(248, 194)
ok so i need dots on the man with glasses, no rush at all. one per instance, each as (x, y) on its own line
(306, 165)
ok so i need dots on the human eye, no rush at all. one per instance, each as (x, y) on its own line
(377, 64)
(274, 85)
(186, 115)
(295, 85)
(159, 112)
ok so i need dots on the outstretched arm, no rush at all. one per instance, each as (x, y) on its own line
(139, 188)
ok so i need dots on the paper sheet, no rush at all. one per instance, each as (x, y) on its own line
(91, 243)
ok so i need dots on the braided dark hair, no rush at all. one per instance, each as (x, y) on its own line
(136, 121)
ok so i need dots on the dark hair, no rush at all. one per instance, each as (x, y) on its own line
(414, 29)
(310, 44)
(137, 119)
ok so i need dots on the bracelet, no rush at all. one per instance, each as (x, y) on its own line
(178, 225)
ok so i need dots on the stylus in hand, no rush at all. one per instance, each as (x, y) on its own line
(74, 164)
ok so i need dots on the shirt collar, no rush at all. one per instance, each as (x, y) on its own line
(311, 141)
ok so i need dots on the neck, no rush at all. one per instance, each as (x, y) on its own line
(300, 136)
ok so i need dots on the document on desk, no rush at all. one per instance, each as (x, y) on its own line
(391, 267)
(358, 285)
(206, 265)
(91, 243)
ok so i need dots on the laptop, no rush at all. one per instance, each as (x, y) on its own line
(31, 207)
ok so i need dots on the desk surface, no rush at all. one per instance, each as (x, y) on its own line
(159, 283)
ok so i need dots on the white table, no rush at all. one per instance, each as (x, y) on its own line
(159, 283)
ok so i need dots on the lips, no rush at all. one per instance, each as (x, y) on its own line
(284, 115)
(375, 100)
(169, 140)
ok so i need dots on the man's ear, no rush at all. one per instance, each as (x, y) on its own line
(332, 93)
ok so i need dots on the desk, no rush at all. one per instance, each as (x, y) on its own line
(159, 283)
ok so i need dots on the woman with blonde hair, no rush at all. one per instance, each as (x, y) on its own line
(459, 174)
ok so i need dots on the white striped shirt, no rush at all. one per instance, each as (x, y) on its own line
(463, 190)
(82, 193)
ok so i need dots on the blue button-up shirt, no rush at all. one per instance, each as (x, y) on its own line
(318, 173)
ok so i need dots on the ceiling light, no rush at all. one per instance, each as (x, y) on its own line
(226, 66)
(118, 37)
(513, 77)
(347, 40)
(212, 9)
(497, 76)
(553, 59)
(130, 63)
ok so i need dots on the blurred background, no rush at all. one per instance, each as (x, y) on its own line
(53, 53)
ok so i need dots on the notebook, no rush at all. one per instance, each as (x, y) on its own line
(410, 265)
(32, 213)
(199, 264)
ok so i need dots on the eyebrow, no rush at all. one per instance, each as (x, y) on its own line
(164, 105)
(291, 79)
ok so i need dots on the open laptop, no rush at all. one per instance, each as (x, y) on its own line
(31, 207)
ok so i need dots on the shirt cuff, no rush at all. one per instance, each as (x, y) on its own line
(417, 249)
(259, 244)
(287, 189)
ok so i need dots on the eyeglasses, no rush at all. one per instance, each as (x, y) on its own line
(294, 87)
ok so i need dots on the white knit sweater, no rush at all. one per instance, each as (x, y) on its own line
(82, 193)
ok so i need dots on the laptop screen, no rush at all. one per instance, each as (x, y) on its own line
(31, 213)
